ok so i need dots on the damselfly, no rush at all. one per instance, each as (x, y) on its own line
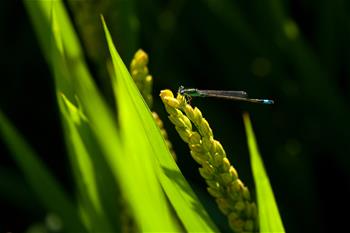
(232, 95)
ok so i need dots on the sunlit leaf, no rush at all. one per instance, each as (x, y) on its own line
(269, 217)
(138, 128)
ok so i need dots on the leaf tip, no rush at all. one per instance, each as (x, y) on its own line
(102, 19)
(246, 119)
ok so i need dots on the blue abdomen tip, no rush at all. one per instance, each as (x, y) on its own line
(268, 101)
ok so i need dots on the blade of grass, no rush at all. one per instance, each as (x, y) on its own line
(83, 167)
(40, 13)
(152, 210)
(101, 186)
(64, 55)
(14, 190)
(137, 120)
(269, 217)
(49, 192)
(85, 175)
(72, 76)
(103, 125)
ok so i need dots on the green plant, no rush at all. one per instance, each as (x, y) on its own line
(119, 187)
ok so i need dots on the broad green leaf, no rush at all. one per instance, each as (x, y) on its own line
(269, 217)
(96, 184)
(48, 190)
(100, 160)
(139, 128)
(150, 206)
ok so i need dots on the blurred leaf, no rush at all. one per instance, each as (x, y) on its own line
(14, 190)
(83, 167)
(40, 13)
(65, 57)
(152, 159)
(125, 26)
(49, 192)
(269, 217)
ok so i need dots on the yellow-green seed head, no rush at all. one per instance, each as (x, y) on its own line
(233, 190)
(172, 111)
(226, 178)
(226, 164)
(166, 93)
(253, 210)
(218, 148)
(187, 122)
(140, 59)
(204, 128)
(207, 142)
(217, 160)
(239, 206)
(213, 184)
(197, 148)
(158, 120)
(182, 100)
(236, 223)
(223, 205)
(149, 79)
(197, 116)
(233, 173)
(205, 174)
(237, 186)
(195, 138)
(189, 111)
(249, 226)
(184, 133)
(172, 102)
(214, 192)
(148, 82)
(198, 157)
(208, 168)
(250, 210)
(232, 197)
(245, 193)
(140, 74)
(180, 122)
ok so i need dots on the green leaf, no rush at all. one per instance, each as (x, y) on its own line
(152, 160)
(85, 158)
(92, 139)
(40, 13)
(96, 184)
(269, 217)
(48, 190)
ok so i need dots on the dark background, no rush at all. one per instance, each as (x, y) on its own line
(295, 52)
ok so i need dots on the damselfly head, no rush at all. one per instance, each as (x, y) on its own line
(181, 90)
